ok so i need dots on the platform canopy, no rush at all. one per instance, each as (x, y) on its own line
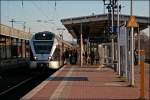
(96, 25)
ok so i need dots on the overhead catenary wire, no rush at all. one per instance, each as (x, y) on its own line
(40, 9)
(7, 7)
(10, 16)
(52, 13)
(55, 5)
(44, 14)
(13, 20)
(29, 15)
(55, 15)
(22, 4)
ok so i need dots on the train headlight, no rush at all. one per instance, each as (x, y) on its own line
(44, 34)
(49, 58)
(35, 58)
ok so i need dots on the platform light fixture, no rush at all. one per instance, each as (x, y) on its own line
(61, 31)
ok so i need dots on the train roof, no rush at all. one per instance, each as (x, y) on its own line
(56, 36)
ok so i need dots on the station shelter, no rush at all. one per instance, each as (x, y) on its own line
(94, 35)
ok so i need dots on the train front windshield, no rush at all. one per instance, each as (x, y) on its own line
(42, 47)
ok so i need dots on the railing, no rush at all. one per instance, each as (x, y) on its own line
(12, 32)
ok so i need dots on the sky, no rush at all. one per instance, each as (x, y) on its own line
(49, 13)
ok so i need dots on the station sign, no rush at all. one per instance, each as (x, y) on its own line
(109, 29)
(132, 22)
(123, 36)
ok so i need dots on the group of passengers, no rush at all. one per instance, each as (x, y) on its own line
(90, 58)
(70, 56)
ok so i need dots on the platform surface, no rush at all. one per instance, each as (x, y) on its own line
(73, 82)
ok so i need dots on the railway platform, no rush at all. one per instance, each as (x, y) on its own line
(95, 82)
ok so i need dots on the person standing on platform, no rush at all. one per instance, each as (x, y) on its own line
(92, 57)
(135, 57)
(67, 56)
(86, 55)
(76, 56)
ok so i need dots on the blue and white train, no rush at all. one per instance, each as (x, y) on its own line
(47, 50)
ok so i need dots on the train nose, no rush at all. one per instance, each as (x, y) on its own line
(54, 64)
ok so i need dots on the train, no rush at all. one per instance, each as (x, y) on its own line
(47, 50)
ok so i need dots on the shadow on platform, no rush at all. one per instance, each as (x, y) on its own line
(67, 79)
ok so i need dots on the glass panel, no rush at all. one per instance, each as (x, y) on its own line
(42, 47)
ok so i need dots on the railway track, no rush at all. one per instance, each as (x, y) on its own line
(17, 82)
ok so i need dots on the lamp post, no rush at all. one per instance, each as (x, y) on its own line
(24, 26)
(132, 82)
(118, 35)
(19, 22)
(111, 6)
(12, 22)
